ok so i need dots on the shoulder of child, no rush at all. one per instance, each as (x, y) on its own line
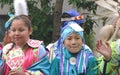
(34, 43)
(7, 47)
(87, 48)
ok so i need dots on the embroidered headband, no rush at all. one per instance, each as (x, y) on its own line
(74, 16)
(7, 24)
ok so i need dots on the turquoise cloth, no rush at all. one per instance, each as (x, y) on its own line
(85, 60)
(90, 67)
(43, 65)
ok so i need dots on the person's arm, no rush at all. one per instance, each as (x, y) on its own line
(105, 66)
(105, 50)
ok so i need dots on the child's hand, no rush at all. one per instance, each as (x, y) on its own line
(16, 72)
(104, 49)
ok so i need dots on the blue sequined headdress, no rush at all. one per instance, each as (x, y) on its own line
(67, 30)
(72, 13)
(70, 28)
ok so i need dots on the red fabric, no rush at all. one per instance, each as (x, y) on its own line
(6, 69)
(0, 46)
(29, 59)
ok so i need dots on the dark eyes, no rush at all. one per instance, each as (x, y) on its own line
(20, 30)
(68, 38)
(74, 38)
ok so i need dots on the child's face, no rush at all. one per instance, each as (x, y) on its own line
(19, 32)
(73, 43)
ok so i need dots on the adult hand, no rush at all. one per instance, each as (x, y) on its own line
(16, 72)
(104, 49)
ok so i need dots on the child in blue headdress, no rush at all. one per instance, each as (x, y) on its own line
(74, 58)
(68, 14)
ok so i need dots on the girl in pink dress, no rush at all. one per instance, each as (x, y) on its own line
(23, 56)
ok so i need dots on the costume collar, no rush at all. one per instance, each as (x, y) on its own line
(34, 43)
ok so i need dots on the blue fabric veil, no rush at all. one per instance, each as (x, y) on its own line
(67, 30)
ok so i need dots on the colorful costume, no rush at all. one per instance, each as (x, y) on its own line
(33, 61)
(52, 47)
(66, 63)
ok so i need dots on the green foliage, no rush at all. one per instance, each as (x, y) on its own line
(42, 20)
(89, 33)
(88, 26)
(90, 40)
(2, 2)
(84, 4)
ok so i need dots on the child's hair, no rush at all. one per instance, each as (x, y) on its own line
(6, 38)
(26, 19)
